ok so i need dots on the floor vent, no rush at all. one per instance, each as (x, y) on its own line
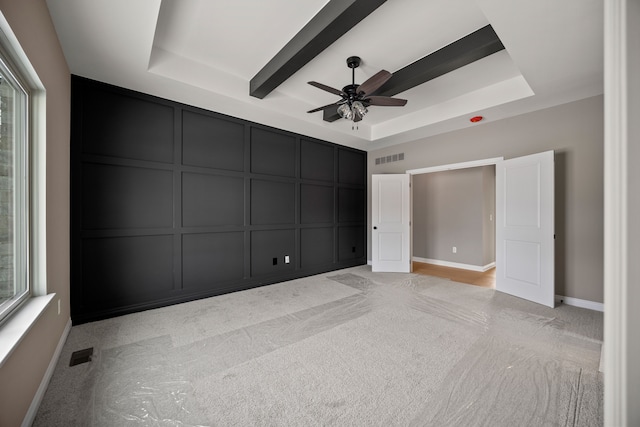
(389, 159)
(81, 356)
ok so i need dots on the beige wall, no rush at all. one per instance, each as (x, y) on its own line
(21, 375)
(575, 131)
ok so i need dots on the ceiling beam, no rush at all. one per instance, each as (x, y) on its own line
(334, 19)
(464, 51)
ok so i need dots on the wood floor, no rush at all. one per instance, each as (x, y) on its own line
(485, 279)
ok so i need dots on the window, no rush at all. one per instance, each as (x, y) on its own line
(23, 264)
(14, 188)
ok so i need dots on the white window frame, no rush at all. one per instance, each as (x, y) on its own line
(15, 327)
(21, 177)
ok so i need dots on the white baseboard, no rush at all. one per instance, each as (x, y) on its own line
(582, 303)
(481, 268)
(37, 399)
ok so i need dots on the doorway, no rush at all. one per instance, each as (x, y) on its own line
(524, 236)
(524, 226)
(453, 222)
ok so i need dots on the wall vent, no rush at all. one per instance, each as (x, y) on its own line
(81, 356)
(390, 158)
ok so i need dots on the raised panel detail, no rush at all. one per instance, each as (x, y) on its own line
(350, 242)
(211, 200)
(522, 261)
(351, 167)
(126, 197)
(171, 202)
(211, 258)
(316, 204)
(268, 249)
(390, 246)
(316, 161)
(272, 202)
(273, 153)
(126, 270)
(523, 205)
(316, 246)
(391, 210)
(350, 205)
(211, 142)
(118, 125)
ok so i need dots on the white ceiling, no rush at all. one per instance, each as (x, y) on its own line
(204, 53)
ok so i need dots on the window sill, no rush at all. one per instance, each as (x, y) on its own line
(16, 328)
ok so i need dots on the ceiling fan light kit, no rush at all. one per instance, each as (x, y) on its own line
(357, 98)
(345, 112)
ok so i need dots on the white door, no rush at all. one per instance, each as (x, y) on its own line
(390, 218)
(524, 227)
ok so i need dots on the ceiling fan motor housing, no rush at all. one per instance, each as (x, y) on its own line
(353, 61)
(351, 91)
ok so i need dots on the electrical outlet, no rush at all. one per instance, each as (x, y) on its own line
(455, 250)
(286, 259)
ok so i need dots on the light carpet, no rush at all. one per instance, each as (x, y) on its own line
(351, 348)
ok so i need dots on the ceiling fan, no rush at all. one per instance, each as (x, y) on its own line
(356, 98)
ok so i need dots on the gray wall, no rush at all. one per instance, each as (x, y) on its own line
(575, 132)
(452, 208)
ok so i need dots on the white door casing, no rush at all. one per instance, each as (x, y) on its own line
(525, 227)
(390, 218)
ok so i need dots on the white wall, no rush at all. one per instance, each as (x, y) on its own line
(633, 183)
(489, 215)
(622, 239)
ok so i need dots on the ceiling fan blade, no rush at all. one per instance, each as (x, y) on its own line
(385, 101)
(374, 82)
(328, 89)
(326, 107)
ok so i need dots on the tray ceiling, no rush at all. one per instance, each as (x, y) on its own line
(206, 53)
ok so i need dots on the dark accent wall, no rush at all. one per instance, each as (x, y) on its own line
(171, 203)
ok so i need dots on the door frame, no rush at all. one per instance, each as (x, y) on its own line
(452, 166)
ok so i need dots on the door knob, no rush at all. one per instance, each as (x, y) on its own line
(375, 228)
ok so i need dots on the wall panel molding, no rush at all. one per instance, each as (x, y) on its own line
(172, 203)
